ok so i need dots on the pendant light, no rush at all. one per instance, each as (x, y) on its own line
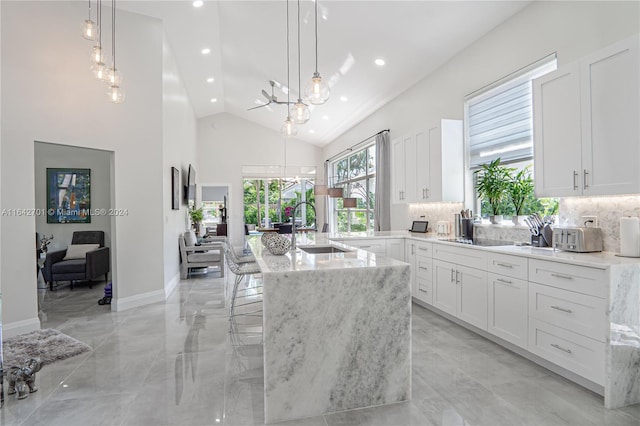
(116, 94)
(97, 56)
(301, 113)
(99, 69)
(89, 28)
(288, 128)
(317, 90)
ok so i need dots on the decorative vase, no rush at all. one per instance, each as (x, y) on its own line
(518, 220)
(496, 219)
(278, 245)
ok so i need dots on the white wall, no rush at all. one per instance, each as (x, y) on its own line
(179, 150)
(50, 95)
(49, 155)
(226, 143)
(572, 29)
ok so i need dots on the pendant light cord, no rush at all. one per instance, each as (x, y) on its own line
(113, 35)
(99, 19)
(288, 84)
(316, 25)
(299, 91)
(89, 9)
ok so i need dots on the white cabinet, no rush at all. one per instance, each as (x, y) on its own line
(370, 245)
(420, 159)
(508, 295)
(460, 290)
(395, 248)
(586, 135)
(410, 258)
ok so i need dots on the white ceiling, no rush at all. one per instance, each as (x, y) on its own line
(248, 48)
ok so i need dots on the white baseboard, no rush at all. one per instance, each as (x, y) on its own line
(171, 285)
(122, 304)
(11, 329)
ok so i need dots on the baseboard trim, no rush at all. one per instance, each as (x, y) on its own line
(171, 285)
(20, 327)
(143, 299)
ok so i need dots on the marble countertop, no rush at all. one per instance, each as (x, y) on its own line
(300, 260)
(600, 260)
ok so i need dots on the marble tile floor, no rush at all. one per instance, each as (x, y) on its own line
(176, 363)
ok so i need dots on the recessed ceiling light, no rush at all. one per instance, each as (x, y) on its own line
(344, 98)
(312, 131)
(379, 62)
(213, 100)
(206, 51)
(211, 80)
(325, 117)
(198, 3)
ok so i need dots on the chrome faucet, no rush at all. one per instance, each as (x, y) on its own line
(293, 227)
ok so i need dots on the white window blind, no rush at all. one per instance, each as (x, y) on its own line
(500, 117)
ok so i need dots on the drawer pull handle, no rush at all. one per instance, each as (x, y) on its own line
(504, 281)
(566, 277)
(569, 311)
(424, 291)
(458, 280)
(504, 265)
(365, 246)
(423, 268)
(423, 248)
(561, 348)
(452, 272)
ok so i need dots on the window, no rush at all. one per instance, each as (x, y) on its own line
(356, 174)
(266, 201)
(499, 124)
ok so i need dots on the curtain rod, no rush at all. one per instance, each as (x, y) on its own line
(352, 147)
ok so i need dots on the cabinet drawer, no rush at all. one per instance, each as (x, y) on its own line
(572, 311)
(511, 266)
(581, 279)
(463, 256)
(424, 289)
(579, 354)
(373, 246)
(424, 249)
(424, 267)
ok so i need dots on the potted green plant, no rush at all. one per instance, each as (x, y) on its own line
(520, 188)
(492, 183)
(197, 216)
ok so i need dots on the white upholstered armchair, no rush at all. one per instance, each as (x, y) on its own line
(199, 256)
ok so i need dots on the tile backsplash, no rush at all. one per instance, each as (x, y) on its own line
(609, 210)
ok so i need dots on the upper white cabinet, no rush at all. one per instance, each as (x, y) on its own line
(421, 160)
(586, 132)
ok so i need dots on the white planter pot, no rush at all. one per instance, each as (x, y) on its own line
(518, 220)
(496, 219)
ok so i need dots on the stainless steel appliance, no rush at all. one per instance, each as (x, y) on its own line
(580, 240)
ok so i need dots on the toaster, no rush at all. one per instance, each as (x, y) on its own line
(580, 240)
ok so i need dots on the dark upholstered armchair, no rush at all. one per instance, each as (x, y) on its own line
(84, 265)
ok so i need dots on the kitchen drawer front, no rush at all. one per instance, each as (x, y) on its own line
(373, 246)
(424, 267)
(463, 256)
(575, 312)
(576, 353)
(582, 279)
(511, 266)
(424, 249)
(424, 289)
(508, 318)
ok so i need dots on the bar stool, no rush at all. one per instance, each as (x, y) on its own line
(241, 266)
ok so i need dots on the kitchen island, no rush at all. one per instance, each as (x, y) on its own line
(337, 330)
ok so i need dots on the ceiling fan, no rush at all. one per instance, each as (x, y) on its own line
(271, 99)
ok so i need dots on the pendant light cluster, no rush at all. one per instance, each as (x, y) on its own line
(316, 92)
(110, 75)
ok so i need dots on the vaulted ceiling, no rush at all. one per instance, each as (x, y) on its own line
(248, 41)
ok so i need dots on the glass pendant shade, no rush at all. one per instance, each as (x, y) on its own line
(99, 71)
(349, 202)
(289, 128)
(116, 94)
(96, 55)
(320, 190)
(89, 30)
(114, 77)
(317, 91)
(336, 192)
(300, 112)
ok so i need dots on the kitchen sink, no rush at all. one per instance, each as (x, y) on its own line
(323, 249)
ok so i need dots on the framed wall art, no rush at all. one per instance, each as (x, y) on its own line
(68, 195)
(175, 189)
